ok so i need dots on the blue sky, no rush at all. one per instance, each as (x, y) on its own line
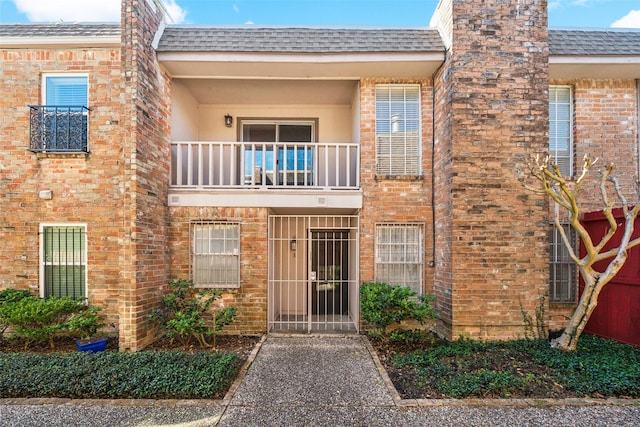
(562, 13)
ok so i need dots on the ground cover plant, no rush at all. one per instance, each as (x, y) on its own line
(510, 369)
(38, 356)
(146, 374)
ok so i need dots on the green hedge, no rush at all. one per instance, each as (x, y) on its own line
(147, 374)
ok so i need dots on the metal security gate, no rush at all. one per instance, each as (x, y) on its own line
(313, 274)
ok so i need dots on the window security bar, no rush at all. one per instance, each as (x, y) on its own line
(64, 261)
(60, 128)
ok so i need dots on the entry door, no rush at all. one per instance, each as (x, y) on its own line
(329, 279)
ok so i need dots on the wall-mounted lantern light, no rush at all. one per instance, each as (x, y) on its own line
(294, 245)
(228, 120)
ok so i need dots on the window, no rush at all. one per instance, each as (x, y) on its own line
(399, 255)
(398, 130)
(561, 127)
(65, 90)
(562, 269)
(267, 158)
(63, 267)
(216, 254)
(61, 123)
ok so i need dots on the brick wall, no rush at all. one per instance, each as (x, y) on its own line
(250, 300)
(393, 199)
(147, 146)
(443, 180)
(605, 126)
(86, 188)
(493, 98)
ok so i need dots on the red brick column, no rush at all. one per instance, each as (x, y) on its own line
(147, 145)
(491, 114)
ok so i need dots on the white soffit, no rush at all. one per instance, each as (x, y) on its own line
(595, 67)
(343, 66)
(70, 41)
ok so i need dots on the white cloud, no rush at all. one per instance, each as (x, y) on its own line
(70, 10)
(175, 11)
(554, 5)
(83, 10)
(249, 23)
(236, 9)
(630, 20)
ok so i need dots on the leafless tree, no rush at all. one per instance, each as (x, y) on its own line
(565, 193)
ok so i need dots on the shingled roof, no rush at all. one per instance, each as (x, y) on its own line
(324, 40)
(62, 29)
(299, 40)
(594, 42)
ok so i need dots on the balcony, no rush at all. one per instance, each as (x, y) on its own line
(205, 165)
(60, 129)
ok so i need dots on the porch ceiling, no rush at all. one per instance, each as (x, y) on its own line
(275, 92)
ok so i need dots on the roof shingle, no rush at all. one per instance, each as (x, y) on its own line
(59, 30)
(325, 40)
(594, 42)
(299, 40)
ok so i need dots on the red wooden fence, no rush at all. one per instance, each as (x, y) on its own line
(617, 315)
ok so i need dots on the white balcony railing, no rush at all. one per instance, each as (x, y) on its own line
(206, 164)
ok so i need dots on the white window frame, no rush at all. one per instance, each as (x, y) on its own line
(392, 136)
(44, 84)
(85, 113)
(559, 259)
(234, 283)
(554, 129)
(83, 257)
(418, 257)
(304, 176)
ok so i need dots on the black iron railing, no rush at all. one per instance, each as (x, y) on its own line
(58, 128)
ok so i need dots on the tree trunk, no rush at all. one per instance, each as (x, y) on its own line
(568, 341)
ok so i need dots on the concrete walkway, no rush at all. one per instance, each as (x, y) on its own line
(316, 381)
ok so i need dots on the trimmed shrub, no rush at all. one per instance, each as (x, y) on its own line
(383, 305)
(85, 324)
(184, 313)
(40, 320)
(7, 297)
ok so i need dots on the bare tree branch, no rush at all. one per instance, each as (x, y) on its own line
(565, 194)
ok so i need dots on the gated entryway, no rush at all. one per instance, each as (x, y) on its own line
(313, 273)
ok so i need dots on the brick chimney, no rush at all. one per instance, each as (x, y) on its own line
(146, 121)
(491, 113)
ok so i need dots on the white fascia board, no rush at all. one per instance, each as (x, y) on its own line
(299, 58)
(47, 42)
(595, 59)
(349, 199)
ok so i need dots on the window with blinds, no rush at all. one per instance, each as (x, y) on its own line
(562, 270)
(61, 123)
(216, 254)
(399, 255)
(64, 261)
(67, 91)
(561, 128)
(398, 124)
